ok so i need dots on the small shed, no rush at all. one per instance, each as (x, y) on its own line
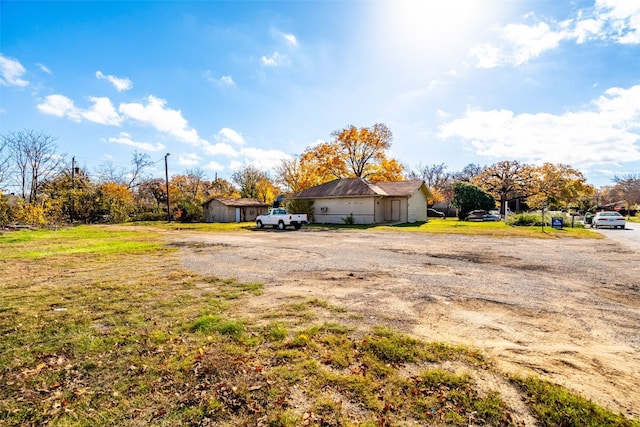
(367, 202)
(221, 209)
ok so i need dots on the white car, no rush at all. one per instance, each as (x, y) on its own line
(608, 219)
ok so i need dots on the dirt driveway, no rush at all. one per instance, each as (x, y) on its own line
(566, 309)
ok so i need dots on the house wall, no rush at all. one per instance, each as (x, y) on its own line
(216, 211)
(417, 207)
(332, 211)
(250, 213)
(391, 205)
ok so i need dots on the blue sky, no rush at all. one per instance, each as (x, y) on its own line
(220, 84)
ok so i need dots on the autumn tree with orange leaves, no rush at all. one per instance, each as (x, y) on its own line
(353, 153)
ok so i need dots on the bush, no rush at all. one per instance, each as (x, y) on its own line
(189, 211)
(525, 219)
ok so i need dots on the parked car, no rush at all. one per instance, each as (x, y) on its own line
(608, 219)
(281, 219)
(434, 213)
(481, 215)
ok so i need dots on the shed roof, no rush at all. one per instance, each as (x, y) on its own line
(237, 202)
(359, 187)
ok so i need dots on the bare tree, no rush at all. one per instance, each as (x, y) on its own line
(434, 176)
(130, 178)
(35, 160)
(468, 172)
(5, 160)
(628, 188)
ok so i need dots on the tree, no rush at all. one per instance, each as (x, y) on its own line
(437, 179)
(363, 150)
(35, 160)
(220, 187)
(468, 173)
(130, 178)
(151, 195)
(468, 197)
(255, 184)
(559, 185)
(188, 192)
(116, 200)
(5, 161)
(506, 180)
(353, 153)
(71, 196)
(292, 176)
(628, 187)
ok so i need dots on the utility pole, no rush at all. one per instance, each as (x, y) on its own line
(166, 173)
(73, 186)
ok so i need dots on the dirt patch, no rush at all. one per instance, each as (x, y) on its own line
(567, 310)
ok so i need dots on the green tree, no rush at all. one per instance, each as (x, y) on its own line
(71, 196)
(507, 180)
(467, 197)
(255, 184)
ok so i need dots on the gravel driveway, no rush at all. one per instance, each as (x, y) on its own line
(565, 309)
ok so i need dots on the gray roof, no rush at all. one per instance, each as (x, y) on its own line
(359, 187)
(236, 202)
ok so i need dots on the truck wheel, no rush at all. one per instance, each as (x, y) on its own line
(259, 224)
(280, 225)
(297, 226)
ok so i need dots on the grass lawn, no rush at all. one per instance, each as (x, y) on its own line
(102, 326)
(489, 228)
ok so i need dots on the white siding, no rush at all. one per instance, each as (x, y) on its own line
(417, 209)
(333, 211)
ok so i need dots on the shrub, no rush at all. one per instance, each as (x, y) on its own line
(525, 219)
(349, 220)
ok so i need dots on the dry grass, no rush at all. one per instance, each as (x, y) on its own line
(102, 326)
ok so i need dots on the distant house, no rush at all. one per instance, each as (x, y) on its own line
(367, 202)
(220, 209)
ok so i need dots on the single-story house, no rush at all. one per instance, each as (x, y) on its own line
(367, 202)
(221, 209)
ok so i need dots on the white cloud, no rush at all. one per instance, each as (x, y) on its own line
(11, 72)
(155, 114)
(230, 135)
(607, 134)
(213, 165)
(221, 148)
(290, 39)
(125, 139)
(275, 60)
(622, 17)
(44, 68)
(121, 84)
(222, 81)
(102, 111)
(617, 21)
(263, 159)
(522, 43)
(189, 159)
(60, 106)
(227, 81)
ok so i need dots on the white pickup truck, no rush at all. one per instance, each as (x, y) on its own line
(279, 218)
